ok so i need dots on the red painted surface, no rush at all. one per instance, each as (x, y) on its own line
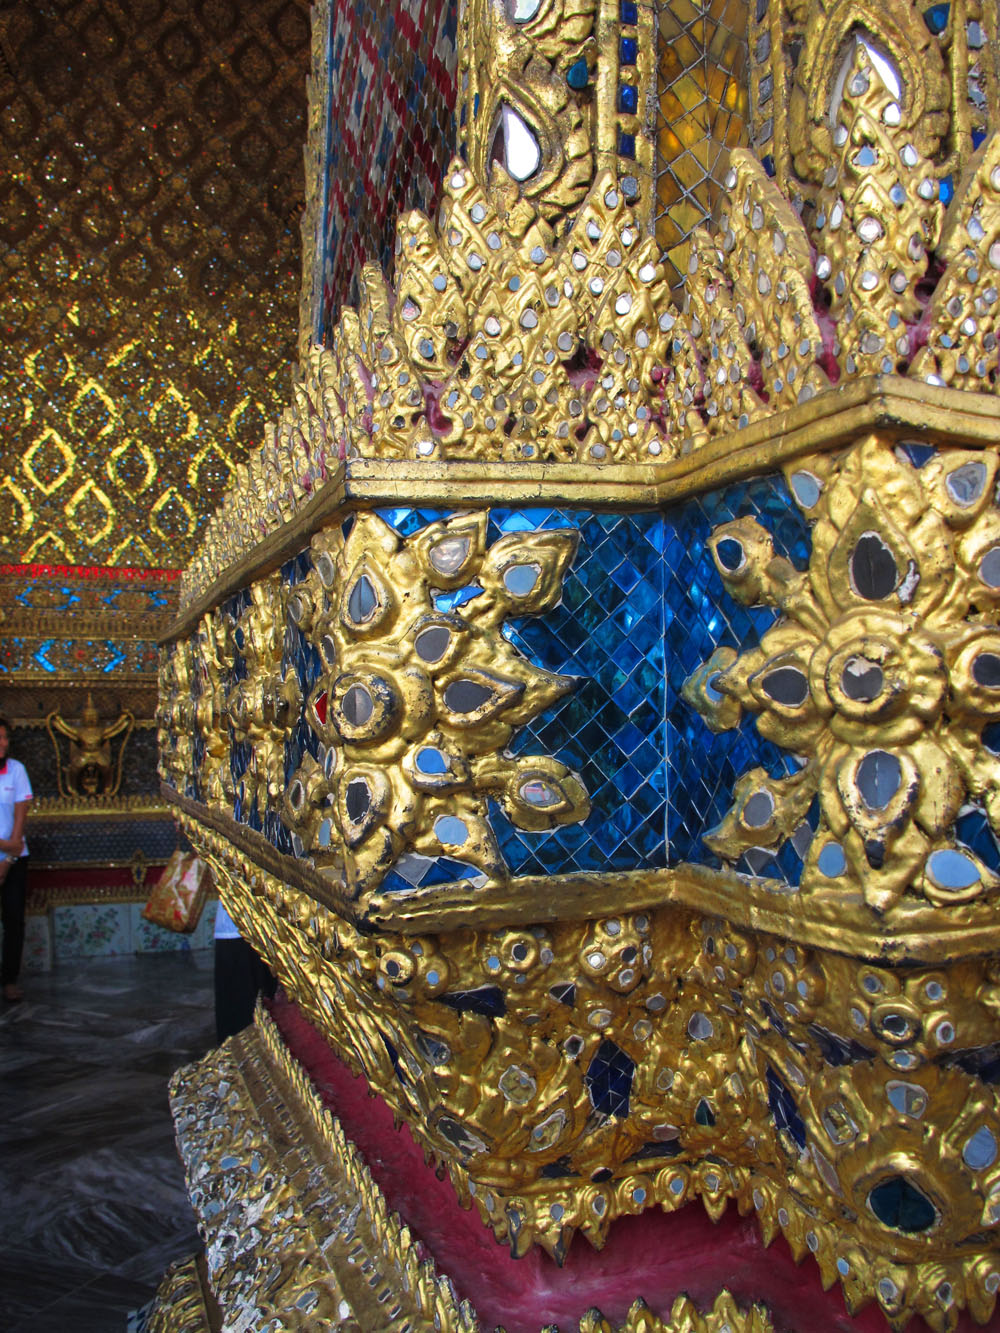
(656, 1255)
(122, 573)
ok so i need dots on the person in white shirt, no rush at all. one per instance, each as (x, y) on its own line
(15, 793)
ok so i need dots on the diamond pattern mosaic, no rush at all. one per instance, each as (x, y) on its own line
(701, 62)
(642, 607)
(150, 261)
(392, 89)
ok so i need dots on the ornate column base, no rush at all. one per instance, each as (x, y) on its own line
(297, 1231)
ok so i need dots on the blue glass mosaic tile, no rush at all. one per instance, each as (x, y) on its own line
(642, 607)
(700, 616)
(608, 634)
(972, 830)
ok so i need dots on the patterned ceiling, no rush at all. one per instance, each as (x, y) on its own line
(149, 264)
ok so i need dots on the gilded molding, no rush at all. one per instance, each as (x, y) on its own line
(842, 922)
(826, 422)
(791, 1079)
(97, 807)
(318, 1216)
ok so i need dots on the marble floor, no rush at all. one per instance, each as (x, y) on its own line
(93, 1201)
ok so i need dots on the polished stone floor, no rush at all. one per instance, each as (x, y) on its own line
(93, 1201)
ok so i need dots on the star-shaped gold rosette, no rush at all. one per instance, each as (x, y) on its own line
(881, 674)
(416, 702)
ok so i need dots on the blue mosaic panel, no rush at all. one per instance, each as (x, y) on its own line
(700, 616)
(607, 633)
(642, 607)
(299, 656)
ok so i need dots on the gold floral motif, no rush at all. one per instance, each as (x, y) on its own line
(213, 657)
(263, 705)
(175, 715)
(415, 705)
(879, 674)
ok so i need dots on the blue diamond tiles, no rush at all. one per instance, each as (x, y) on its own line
(607, 633)
(642, 607)
(700, 616)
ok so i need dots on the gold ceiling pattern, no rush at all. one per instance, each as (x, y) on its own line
(150, 262)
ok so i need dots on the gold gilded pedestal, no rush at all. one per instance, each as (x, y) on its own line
(817, 1045)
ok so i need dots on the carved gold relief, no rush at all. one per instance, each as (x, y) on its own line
(89, 770)
(822, 1053)
(572, 1072)
(252, 1129)
(416, 705)
(263, 704)
(529, 133)
(879, 673)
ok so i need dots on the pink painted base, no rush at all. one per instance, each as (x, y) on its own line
(655, 1255)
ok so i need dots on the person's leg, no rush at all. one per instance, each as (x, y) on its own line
(236, 986)
(265, 981)
(12, 900)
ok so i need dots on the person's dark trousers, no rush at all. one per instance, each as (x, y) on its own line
(240, 976)
(12, 898)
